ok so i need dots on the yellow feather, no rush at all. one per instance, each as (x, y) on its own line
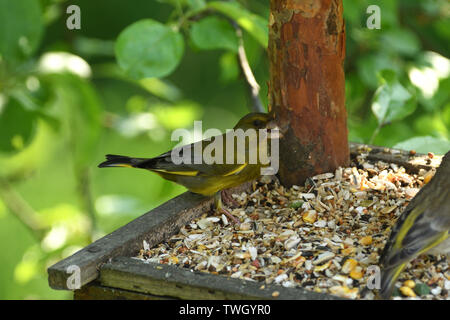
(123, 165)
(236, 171)
(180, 173)
(435, 243)
(406, 227)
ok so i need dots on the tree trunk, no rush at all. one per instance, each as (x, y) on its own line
(307, 86)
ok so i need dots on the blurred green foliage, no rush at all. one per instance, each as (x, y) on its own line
(138, 69)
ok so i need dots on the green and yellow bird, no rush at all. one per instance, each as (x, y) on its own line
(208, 178)
(423, 227)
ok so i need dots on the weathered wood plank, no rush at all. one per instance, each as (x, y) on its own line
(95, 291)
(166, 280)
(412, 163)
(153, 227)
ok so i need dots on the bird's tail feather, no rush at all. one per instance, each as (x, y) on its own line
(388, 278)
(119, 161)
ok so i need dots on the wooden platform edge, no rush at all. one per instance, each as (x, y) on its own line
(153, 227)
(95, 291)
(179, 283)
(411, 161)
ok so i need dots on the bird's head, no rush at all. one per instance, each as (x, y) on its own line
(257, 120)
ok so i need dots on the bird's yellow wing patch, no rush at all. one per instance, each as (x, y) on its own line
(236, 171)
(406, 227)
(123, 165)
(179, 173)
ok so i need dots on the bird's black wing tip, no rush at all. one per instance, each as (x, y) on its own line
(113, 156)
(102, 165)
(113, 160)
(110, 159)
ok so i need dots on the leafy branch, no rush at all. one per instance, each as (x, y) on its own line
(148, 48)
(391, 102)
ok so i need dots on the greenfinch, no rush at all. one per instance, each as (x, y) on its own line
(206, 177)
(423, 227)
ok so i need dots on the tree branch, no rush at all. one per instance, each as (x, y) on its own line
(85, 196)
(253, 86)
(20, 208)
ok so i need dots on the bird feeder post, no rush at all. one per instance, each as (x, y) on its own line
(307, 86)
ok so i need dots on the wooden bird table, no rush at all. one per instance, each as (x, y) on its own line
(106, 268)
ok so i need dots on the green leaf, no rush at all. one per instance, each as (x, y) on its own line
(391, 100)
(214, 33)
(16, 126)
(25, 100)
(252, 23)
(425, 144)
(196, 4)
(148, 48)
(33, 106)
(401, 41)
(368, 66)
(21, 29)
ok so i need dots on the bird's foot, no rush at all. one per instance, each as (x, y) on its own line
(221, 207)
(229, 200)
(229, 215)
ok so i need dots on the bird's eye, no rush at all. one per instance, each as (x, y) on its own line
(257, 123)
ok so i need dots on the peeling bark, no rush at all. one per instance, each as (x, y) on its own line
(307, 86)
